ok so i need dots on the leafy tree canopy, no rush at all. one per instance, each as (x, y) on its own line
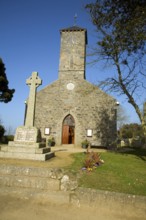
(131, 131)
(121, 42)
(121, 23)
(6, 94)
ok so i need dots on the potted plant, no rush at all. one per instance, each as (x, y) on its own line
(51, 141)
(85, 143)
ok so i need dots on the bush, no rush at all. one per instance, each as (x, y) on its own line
(2, 131)
(5, 139)
(92, 160)
(85, 143)
(132, 131)
(51, 141)
(10, 137)
(138, 142)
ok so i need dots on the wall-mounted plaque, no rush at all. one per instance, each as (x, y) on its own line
(26, 134)
(89, 132)
(47, 131)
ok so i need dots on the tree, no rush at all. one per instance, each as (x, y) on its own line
(2, 131)
(6, 94)
(132, 130)
(121, 29)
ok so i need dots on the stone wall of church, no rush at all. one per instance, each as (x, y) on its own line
(90, 107)
(72, 54)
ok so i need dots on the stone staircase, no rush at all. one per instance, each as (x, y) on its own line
(43, 184)
(29, 151)
(30, 177)
(36, 182)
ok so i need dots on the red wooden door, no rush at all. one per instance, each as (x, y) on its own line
(65, 134)
(71, 135)
(68, 130)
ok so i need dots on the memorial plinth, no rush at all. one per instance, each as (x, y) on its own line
(27, 134)
(27, 141)
(26, 146)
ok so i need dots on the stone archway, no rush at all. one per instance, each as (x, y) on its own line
(68, 130)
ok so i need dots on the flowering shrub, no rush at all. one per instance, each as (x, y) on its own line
(92, 160)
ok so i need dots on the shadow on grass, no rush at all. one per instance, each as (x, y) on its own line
(139, 152)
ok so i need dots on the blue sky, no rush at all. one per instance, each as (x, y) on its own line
(30, 41)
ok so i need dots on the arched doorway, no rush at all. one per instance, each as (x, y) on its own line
(68, 130)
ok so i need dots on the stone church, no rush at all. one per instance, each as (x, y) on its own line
(71, 109)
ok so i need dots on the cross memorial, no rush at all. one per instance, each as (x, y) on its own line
(27, 142)
(33, 81)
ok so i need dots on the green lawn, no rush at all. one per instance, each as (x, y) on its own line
(121, 172)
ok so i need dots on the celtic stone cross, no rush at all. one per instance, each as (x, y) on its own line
(33, 81)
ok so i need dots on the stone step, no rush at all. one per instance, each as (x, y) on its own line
(57, 197)
(30, 177)
(17, 170)
(26, 150)
(26, 144)
(27, 156)
(36, 178)
(30, 182)
(68, 145)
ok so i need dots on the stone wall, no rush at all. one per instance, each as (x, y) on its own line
(36, 178)
(129, 206)
(58, 186)
(90, 107)
(72, 54)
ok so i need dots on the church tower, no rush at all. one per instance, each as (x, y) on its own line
(71, 108)
(73, 53)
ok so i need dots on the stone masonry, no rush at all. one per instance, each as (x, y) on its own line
(53, 185)
(27, 141)
(90, 107)
(71, 95)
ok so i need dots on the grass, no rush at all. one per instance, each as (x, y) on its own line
(121, 172)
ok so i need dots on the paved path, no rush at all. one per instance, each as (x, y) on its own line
(72, 149)
(16, 208)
